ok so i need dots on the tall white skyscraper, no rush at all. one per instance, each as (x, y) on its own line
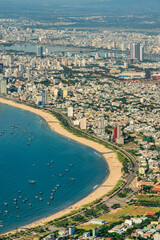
(70, 112)
(141, 53)
(83, 123)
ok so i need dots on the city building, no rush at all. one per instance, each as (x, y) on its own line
(101, 127)
(98, 221)
(83, 123)
(39, 51)
(95, 232)
(44, 97)
(141, 53)
(50, 237)
(116, 136)
(3, 84)
(70, 111)
(135, 51)
(1, 67)
(72, 230)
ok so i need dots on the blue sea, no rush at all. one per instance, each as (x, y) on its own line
(37, 163)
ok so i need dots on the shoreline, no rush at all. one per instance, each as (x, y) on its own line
(113, 163)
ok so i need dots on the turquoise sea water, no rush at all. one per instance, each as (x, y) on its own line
(29, 150)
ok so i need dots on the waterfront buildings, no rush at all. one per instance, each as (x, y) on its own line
(101, 127)
(70, 111)
(40, 51)
(3, 83)
(44, 97)
(83, 123)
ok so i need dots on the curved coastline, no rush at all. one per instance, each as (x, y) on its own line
(114, 165)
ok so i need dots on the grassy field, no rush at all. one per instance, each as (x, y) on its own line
(117, 215)
(148, 198)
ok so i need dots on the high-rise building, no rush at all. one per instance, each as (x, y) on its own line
(114, 45)
(20, 68)
(3, 83)
(123, 47)
(70, 112)
(1, 67)
(65, 93)
(141, 53)
(101, 127)
(116, 136)
(95, 232)
(72, 230)
(44, 97)
(39, 51)
(115, 133)
(83, 123)
(135, 51)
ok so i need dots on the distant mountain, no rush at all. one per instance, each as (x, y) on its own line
(116, 7)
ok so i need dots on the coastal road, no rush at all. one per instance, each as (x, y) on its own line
(67, 122)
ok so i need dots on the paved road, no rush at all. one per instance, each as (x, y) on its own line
(66, 121)
(132, 173)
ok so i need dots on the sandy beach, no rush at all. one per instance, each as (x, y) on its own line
(111, 158)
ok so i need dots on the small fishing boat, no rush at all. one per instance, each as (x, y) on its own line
(32, 181)
(72, 179)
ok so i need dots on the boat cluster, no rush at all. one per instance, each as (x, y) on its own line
(20, 199)
(12, 131)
